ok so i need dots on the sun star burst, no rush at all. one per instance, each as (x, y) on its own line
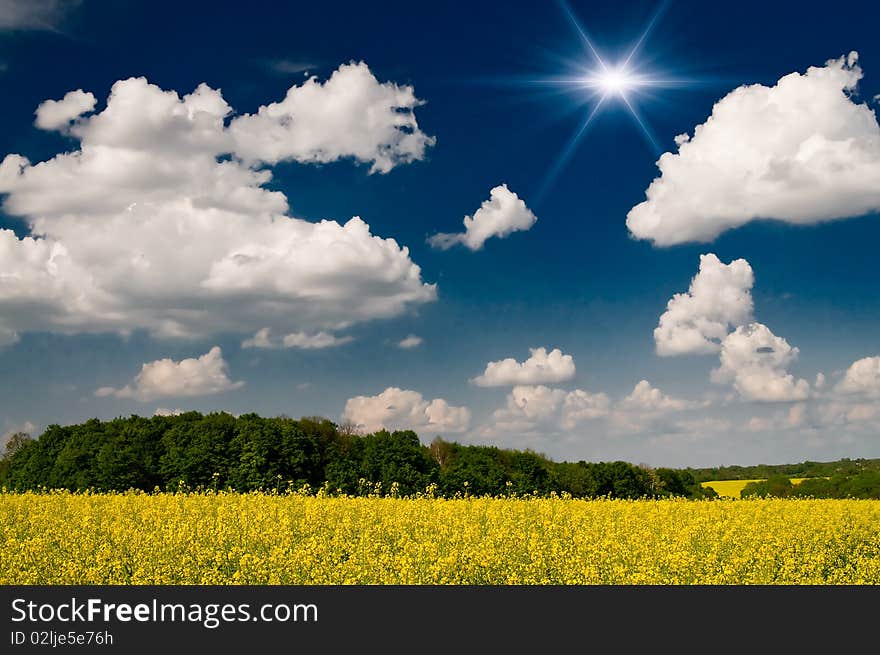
(595, 82)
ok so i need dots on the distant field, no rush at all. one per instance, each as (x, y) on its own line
(732, 488)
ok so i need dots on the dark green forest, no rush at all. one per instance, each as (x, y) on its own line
(861, 484)
(246, 453)
(808, 469)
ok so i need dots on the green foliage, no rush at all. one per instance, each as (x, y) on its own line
(777, 486)
(250, 452)
(846, 467)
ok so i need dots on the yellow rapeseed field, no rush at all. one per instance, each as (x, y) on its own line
(226, 538)
(733, 488)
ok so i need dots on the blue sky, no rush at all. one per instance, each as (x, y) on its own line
(476, 82)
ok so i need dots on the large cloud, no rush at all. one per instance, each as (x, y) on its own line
(499, 216)
(165, 378)
(349, 115)
(801, 151)
(719, 298)
(862, 378)
(531, 408)
(403, 409)
(756, 362)
(155, 222)
(541, 368)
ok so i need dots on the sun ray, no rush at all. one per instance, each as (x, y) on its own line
(638, 118)
(583, 34)
(567, 153)
(597, 84)
(645, 33)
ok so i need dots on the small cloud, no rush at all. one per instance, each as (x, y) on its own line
(412, 341)
(165, 378)
(499, 216)
(302, 386)
(163, 411)
(541, 367)
(302, 340)
(288, 66)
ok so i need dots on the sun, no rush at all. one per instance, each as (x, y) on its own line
(612, 81)
(598, 84)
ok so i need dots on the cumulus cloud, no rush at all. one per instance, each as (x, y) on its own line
(57, 114)
(846, 413)
(302, 340)
(541, 368)
(852, 402)
(165, 378)
(499, 216)
(157, 223)
(403, 409)
(801, 151)
(719, 299)
(862, 378)
(352, 115)
(756, 362)
(646, 409)
(648, 398)
(794, 418)
(529, 408)
(411, 341)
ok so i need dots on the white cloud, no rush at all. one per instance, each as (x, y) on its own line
(403, 409)
(541, 368)
(645, 410)
(852, 402)
(846, 413)
(150, 225)
(580, 406)
(719, 298)
(33, 14)
(411, 341)
(756, 362)
(57, 114)
(795, 417)
(302, 340)
(164, 411)
(862, 377)
(499, 216)
(801, 151)
(165, 378)
(529, 408)
(352, 115)
(648, 398)
(27, 427)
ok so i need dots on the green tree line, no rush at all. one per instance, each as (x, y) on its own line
(860, 484)
(249, 452)
(843, 467)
